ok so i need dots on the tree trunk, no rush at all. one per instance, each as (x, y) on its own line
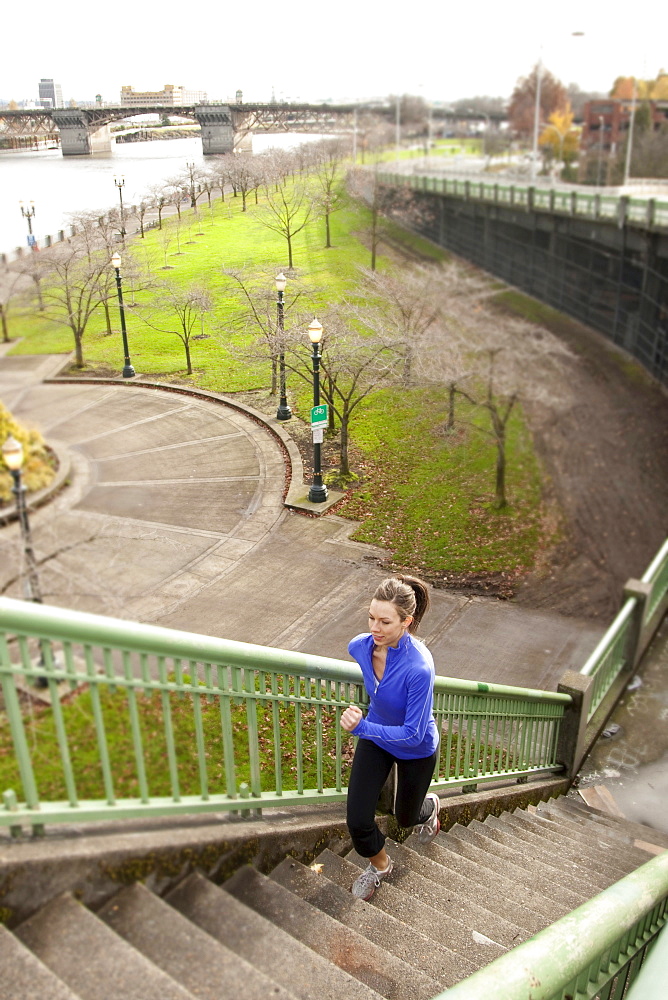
(289, 239)
(186, 344)
(274, 376)
(344, 466)
(3, 320)
(500, 500)
(329, 241)
(107, 317)
(159, 216)
(451, 408)
(243, 200)
(78, 349)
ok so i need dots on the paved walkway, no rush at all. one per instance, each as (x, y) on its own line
(174, 516)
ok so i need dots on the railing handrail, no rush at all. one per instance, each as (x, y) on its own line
(610, 635)
(651, 211)
(51, 622)
(542, 967)
(656, 564)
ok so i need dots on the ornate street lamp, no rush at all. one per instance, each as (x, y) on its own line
(28, 213)
(318, 491)
(128, 370)
(120, 184)
(12, 453)
(283, 412)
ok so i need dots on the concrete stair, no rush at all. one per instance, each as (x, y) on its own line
(448, 909)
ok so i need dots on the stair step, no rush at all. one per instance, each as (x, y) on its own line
(487, 897)
(94, 961)
(419, 876)
(474, 948)
(383, 929)
(24, 977)
(269, 948)
(622, 854)
(513, 866)
(371, 964)
(635, 831)
(181, 949)
(560, 845)
(493, 888)
(546, 869)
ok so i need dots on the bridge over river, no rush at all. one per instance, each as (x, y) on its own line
(224, 127)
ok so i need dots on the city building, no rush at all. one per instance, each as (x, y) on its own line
(169, 97)
(607, 120)
(50, 94)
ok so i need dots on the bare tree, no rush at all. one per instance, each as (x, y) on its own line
(187, 306)
(352, 364)
(77, 284)
(161, 196)
(261, 317)
(513, 361)
(326, 167)
(12, 289)
(287, 212)
(242, 176)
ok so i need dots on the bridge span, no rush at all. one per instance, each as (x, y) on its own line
(225, 128)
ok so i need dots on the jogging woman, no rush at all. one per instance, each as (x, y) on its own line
(399, 727)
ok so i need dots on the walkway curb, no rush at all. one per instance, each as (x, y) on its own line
(296, 490)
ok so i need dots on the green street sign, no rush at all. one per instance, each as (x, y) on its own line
(319, 416)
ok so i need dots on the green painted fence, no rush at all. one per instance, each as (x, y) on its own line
(631, 630)
(650, 213)
(261, 724)
(595, 951)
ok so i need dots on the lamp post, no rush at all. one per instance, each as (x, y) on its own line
(120, 184)
(128, 370)
(28, 213)
(601, 122)
(536, 116)
(283, 412)
(318, 491)
(12, 453)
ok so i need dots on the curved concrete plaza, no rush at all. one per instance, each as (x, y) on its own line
(174, 515)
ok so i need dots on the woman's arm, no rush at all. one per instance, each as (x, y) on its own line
(416, 720)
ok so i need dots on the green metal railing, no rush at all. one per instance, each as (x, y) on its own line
(616, 650)
(645, 212)
(262, 724)
(595, 951)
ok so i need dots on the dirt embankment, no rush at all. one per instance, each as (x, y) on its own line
(606, 456)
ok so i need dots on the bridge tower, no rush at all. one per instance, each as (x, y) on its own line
(217, 128)
(77, 137)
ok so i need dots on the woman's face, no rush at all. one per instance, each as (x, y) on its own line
(385, 623)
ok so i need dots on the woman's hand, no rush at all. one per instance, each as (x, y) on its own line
(351, 718)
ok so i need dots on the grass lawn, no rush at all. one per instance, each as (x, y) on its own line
(424, 495)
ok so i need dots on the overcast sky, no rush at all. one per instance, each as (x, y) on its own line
(303, 50)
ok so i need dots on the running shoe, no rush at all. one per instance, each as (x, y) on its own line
(427, 831)
(365, 886)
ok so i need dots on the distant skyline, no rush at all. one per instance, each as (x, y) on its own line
(347, 51)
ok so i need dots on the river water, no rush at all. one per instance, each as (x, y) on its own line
(60, 185)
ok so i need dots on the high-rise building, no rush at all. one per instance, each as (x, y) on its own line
(50, 94)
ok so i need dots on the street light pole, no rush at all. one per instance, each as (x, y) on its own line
(318, 491)
(128, 370)
(283, 412)
(120, 184)
(536, 117)
(12, 453)
(28, 213)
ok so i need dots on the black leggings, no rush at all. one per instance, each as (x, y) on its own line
(371, 767)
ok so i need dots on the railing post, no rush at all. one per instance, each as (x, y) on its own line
(639, 636)
(571, 746)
